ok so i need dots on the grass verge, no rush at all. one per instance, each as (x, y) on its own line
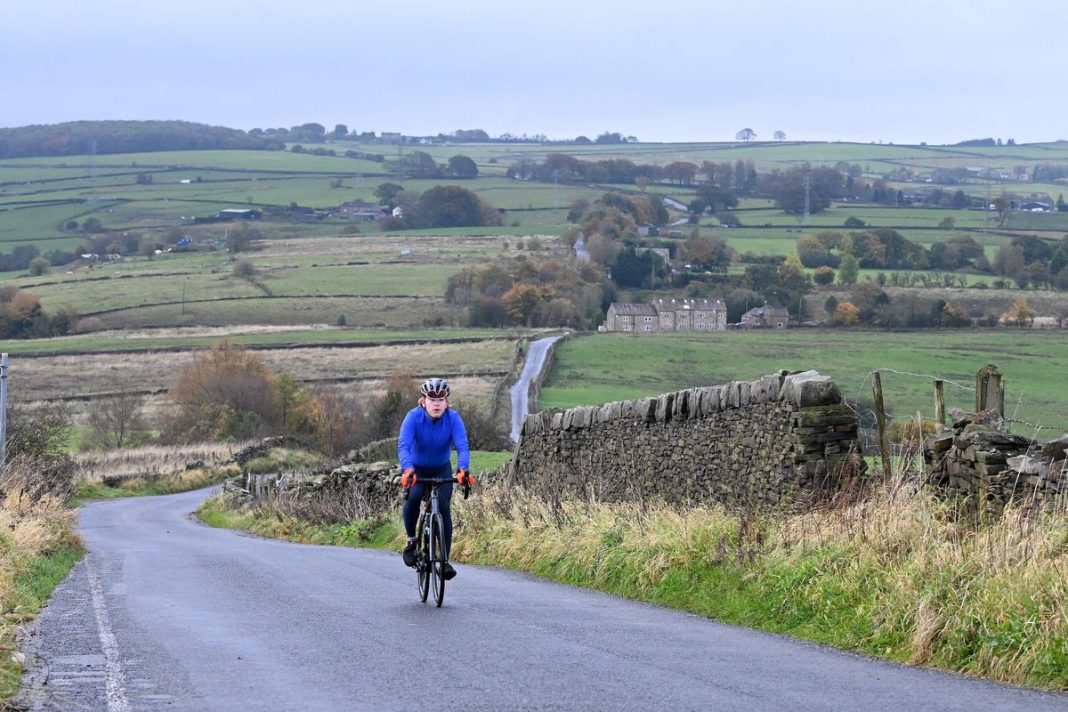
(899, 575)
(38, 546)
(381, 532)
(374, 533)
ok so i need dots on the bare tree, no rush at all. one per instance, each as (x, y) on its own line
(746, 135)
(115, 420)
(780, 135)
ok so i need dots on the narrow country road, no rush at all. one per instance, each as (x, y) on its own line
(167, 614)
(520, 391)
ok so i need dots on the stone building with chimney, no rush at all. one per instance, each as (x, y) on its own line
(666, 314)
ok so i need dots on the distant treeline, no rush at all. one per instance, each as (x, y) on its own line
(986, 142)
(79, 138)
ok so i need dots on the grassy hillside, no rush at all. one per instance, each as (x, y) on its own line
(39, 196)
(296, 281)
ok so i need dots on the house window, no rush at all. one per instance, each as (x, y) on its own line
(648, 328)
(628, 327)
(779, 325)
(648, 318)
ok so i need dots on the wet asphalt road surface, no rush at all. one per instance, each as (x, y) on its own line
(168, 614)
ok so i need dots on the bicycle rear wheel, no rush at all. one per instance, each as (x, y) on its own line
(437, 557)
(422, 563)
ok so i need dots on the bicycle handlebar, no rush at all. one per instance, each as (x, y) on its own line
(438, 481)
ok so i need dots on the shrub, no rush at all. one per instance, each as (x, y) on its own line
(37, 462)
(118, 422)
(227, 392)
(244, 269)
(39, 266)
(824, 275)
(845, 314)
(483, 432)
(728, 219)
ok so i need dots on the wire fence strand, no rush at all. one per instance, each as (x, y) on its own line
(868, 414)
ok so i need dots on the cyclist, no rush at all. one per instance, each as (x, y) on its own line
(424, 446)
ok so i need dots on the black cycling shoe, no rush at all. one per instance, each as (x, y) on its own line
(448, 571)
(409, 554)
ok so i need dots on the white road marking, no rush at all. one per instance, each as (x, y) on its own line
(113, 675)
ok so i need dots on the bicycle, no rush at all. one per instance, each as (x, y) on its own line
(430, 554)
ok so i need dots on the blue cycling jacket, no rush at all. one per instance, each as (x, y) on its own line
(424, 442)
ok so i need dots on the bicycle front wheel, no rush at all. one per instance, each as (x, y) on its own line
(437, 557)
(422, 563)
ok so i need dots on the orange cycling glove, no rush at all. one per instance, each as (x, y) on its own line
(464, 477)
(408, 478)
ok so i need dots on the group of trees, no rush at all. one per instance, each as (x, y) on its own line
(532, 293)
(441, 206)
(718, 184)
(421, 165)
(23, 317)
(562, 168)
(867, 304)
(80, 138)
(1027, 260)
(24, 257)
(1031, 261)
(609, 227)
(877, 248)
(311, 132)
(985, 142)
(1049, 172)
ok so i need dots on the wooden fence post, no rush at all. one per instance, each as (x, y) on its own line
(880, 418)
(990, 390)
(940, 405)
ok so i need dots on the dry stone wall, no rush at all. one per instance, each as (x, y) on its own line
(979, 459)
(748, 442)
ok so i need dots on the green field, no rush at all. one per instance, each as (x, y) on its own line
(588, 370)
(38, 196)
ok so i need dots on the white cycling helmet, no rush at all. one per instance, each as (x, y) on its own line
(435, 388)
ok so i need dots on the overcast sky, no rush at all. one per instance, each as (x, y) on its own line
(901, 71)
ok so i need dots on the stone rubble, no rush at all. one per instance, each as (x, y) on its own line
(978, 458)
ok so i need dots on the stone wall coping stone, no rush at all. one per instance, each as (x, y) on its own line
(802, 390)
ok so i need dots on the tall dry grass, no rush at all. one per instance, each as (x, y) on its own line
(173, 468)
(892, 570)
(38, 543)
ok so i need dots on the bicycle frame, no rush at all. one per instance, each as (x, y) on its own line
(430, 553)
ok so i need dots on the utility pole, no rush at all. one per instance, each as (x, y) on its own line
(3, 410)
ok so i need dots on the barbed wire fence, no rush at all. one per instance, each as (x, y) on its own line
(908, 430)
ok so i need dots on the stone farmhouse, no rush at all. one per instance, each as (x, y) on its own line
(667, 314)
(766, 317)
